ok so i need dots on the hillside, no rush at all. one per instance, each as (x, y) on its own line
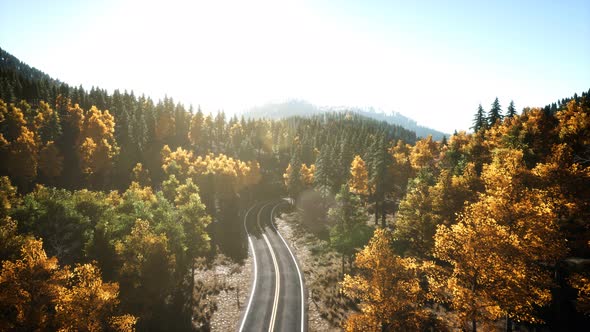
(289, 108)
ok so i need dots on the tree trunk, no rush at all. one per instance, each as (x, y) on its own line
(383, 214)
(376, 212)
(508, 323)
(192, 301)
(342, 265)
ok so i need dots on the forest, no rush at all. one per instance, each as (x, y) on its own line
(108, 200)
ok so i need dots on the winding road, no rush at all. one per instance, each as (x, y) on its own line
(276, 301)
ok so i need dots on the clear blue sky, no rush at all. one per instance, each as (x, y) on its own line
(434, 61)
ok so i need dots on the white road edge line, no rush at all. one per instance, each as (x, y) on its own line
(275, 305)
(296, 265)
(255, 270)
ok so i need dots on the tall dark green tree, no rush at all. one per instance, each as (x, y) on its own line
(480, 121)
(511, 110)
(323, 177)
(349, 229)
(495, 112)
(379, 179)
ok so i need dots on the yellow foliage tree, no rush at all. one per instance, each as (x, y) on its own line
(581, 282)
(499, 246)
(287, 175)
(96, 142)
(28, 287)
(359, 177)
(23, 153)
(306, 173)
(8, 196)
(86, 303)
(388, 287)
(574, 124)
(424, 153)
(401, 170)
(36, 294)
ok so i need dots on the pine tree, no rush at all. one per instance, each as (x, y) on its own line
(323, 175)
(511, 110)
(379, 178)
(479, 121)
(349, 230)
(495, 113)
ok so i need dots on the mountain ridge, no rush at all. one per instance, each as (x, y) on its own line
(299, 107)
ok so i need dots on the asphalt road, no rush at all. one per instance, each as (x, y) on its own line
(276, 301)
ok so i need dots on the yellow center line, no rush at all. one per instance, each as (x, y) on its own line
(277, 286)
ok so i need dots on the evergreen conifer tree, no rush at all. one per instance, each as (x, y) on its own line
(479, 121)
(511, 110)
(495, 113)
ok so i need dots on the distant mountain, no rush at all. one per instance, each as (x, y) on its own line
(304, 108)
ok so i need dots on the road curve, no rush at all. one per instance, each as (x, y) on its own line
(277, 301)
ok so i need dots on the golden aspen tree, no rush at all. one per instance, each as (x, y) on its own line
(388, 287)
(402, 169)
(574, 130)
(306, 173)
(74, 117)
(177, 162)
(424, 153)
(574, 121)
(28, 287)
(359, 177)
(23, 156)
(18, 145)
(10, 240)
(287, 175)
(12, 120)
(501, 247)
(96, 142)
(46, 123)
(87, 303)
(8, 196)
(37, 294)
(581, 283)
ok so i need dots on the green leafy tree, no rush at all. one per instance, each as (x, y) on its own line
(146, 272)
